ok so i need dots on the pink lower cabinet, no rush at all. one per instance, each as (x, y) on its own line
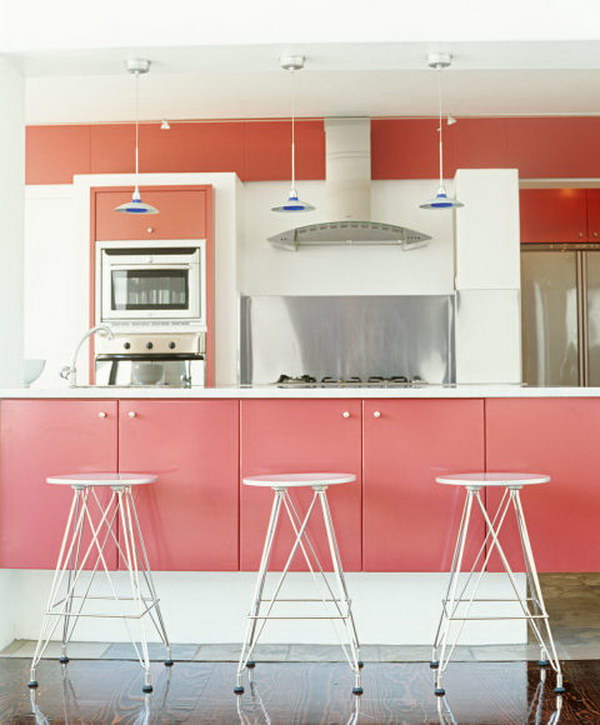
(39, 438)
(189, 517)
(299, 436)
(557, 436)
(410, 522)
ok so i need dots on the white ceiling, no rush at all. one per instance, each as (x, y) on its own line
(529, 57)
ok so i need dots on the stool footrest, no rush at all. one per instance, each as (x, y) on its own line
(270, 616)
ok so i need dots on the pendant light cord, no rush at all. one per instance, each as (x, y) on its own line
(137, 134)
(440, 127)
(293, 72)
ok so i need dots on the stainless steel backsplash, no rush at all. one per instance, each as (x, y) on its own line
(345, 336)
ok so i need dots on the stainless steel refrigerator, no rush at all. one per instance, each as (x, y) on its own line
(560, 298)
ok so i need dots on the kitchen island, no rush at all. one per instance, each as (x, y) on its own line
(395, 525)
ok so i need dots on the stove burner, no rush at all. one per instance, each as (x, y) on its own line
(354, 381)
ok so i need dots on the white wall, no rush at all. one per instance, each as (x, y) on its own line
(265, 270)
(12, 175)
(390, 608)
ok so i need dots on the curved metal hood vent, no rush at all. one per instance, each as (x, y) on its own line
(348, 190)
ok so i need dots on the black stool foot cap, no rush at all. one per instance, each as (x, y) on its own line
(360, 664)
(250, 664)
(238, 690)
(559, 690)
(147, 688)
(169, 663)
(63, 660)
(439, 691)
(357, 690)
(543, 663)
(434, 664)
(32, 683)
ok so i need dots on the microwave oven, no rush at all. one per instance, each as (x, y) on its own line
(149, 283)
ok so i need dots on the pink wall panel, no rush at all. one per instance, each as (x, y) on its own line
(555, 436)
(54, 153)
(294, 436)
(190, 515)
(410, 522)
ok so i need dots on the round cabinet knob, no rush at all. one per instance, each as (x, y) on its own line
(127, 345)
(580, 234)
(102, 414)
(376, 414)
(150, 230)
(149, 345)
(595, 234)
(132, 414)
(345, 414)
(172, 345)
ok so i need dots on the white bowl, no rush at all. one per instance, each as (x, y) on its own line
(32, 369)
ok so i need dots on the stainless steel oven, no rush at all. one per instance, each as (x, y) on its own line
(151, 282)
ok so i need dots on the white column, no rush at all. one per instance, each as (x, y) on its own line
(12, 193)
(488, 307)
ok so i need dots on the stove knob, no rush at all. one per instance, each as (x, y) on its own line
(172, 345)
(149, 345)
(127, 345)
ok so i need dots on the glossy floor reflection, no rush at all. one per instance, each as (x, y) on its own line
(297, 693)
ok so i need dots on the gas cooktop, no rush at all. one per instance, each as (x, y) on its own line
(329, 381)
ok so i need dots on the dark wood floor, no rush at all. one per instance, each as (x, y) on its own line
(292, 693)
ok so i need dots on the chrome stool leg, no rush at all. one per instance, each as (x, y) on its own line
(250, 637)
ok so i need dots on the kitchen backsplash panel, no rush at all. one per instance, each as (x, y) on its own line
(347, 336)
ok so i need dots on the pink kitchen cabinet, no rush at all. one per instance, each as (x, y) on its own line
(296, 436)
(190, 515)
(410, 522)
(556, 436)
(39, 438)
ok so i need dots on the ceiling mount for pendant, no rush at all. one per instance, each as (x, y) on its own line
(293, 203)
(137, 67)
(439, 61)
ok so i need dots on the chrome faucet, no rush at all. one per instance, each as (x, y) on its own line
(69, 372)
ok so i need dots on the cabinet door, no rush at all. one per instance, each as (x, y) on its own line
(410, 522)
(182, 214)
(300, 436)
(593, 211)
(189, 517)
(556, 436)
(553, 215)
(40, 438)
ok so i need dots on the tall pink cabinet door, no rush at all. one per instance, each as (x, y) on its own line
(557, 436)
(40, 438)
(189, 517)
(300, 436)
(410, 522)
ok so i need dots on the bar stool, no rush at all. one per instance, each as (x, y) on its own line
(532, 606)
(334, 597)
(90, 527)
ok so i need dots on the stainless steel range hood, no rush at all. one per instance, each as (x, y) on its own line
(348, 185)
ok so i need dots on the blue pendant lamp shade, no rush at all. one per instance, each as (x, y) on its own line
(441, 200)
(293, 203)
(136, 205)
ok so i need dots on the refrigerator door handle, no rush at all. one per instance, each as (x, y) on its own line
(582, 315)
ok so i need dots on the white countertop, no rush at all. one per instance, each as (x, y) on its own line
(429, 391)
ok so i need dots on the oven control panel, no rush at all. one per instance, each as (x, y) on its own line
(154, 343)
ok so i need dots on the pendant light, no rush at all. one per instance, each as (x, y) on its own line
(437, 61)
(136, 67)
(293, 63)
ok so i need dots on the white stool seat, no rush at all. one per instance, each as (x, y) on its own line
(102, 479)
(493, 479)
(296, 480)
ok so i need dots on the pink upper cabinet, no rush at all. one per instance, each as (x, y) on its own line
(410, 522)
(296, 436)
(40, 438)
(190, 515)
